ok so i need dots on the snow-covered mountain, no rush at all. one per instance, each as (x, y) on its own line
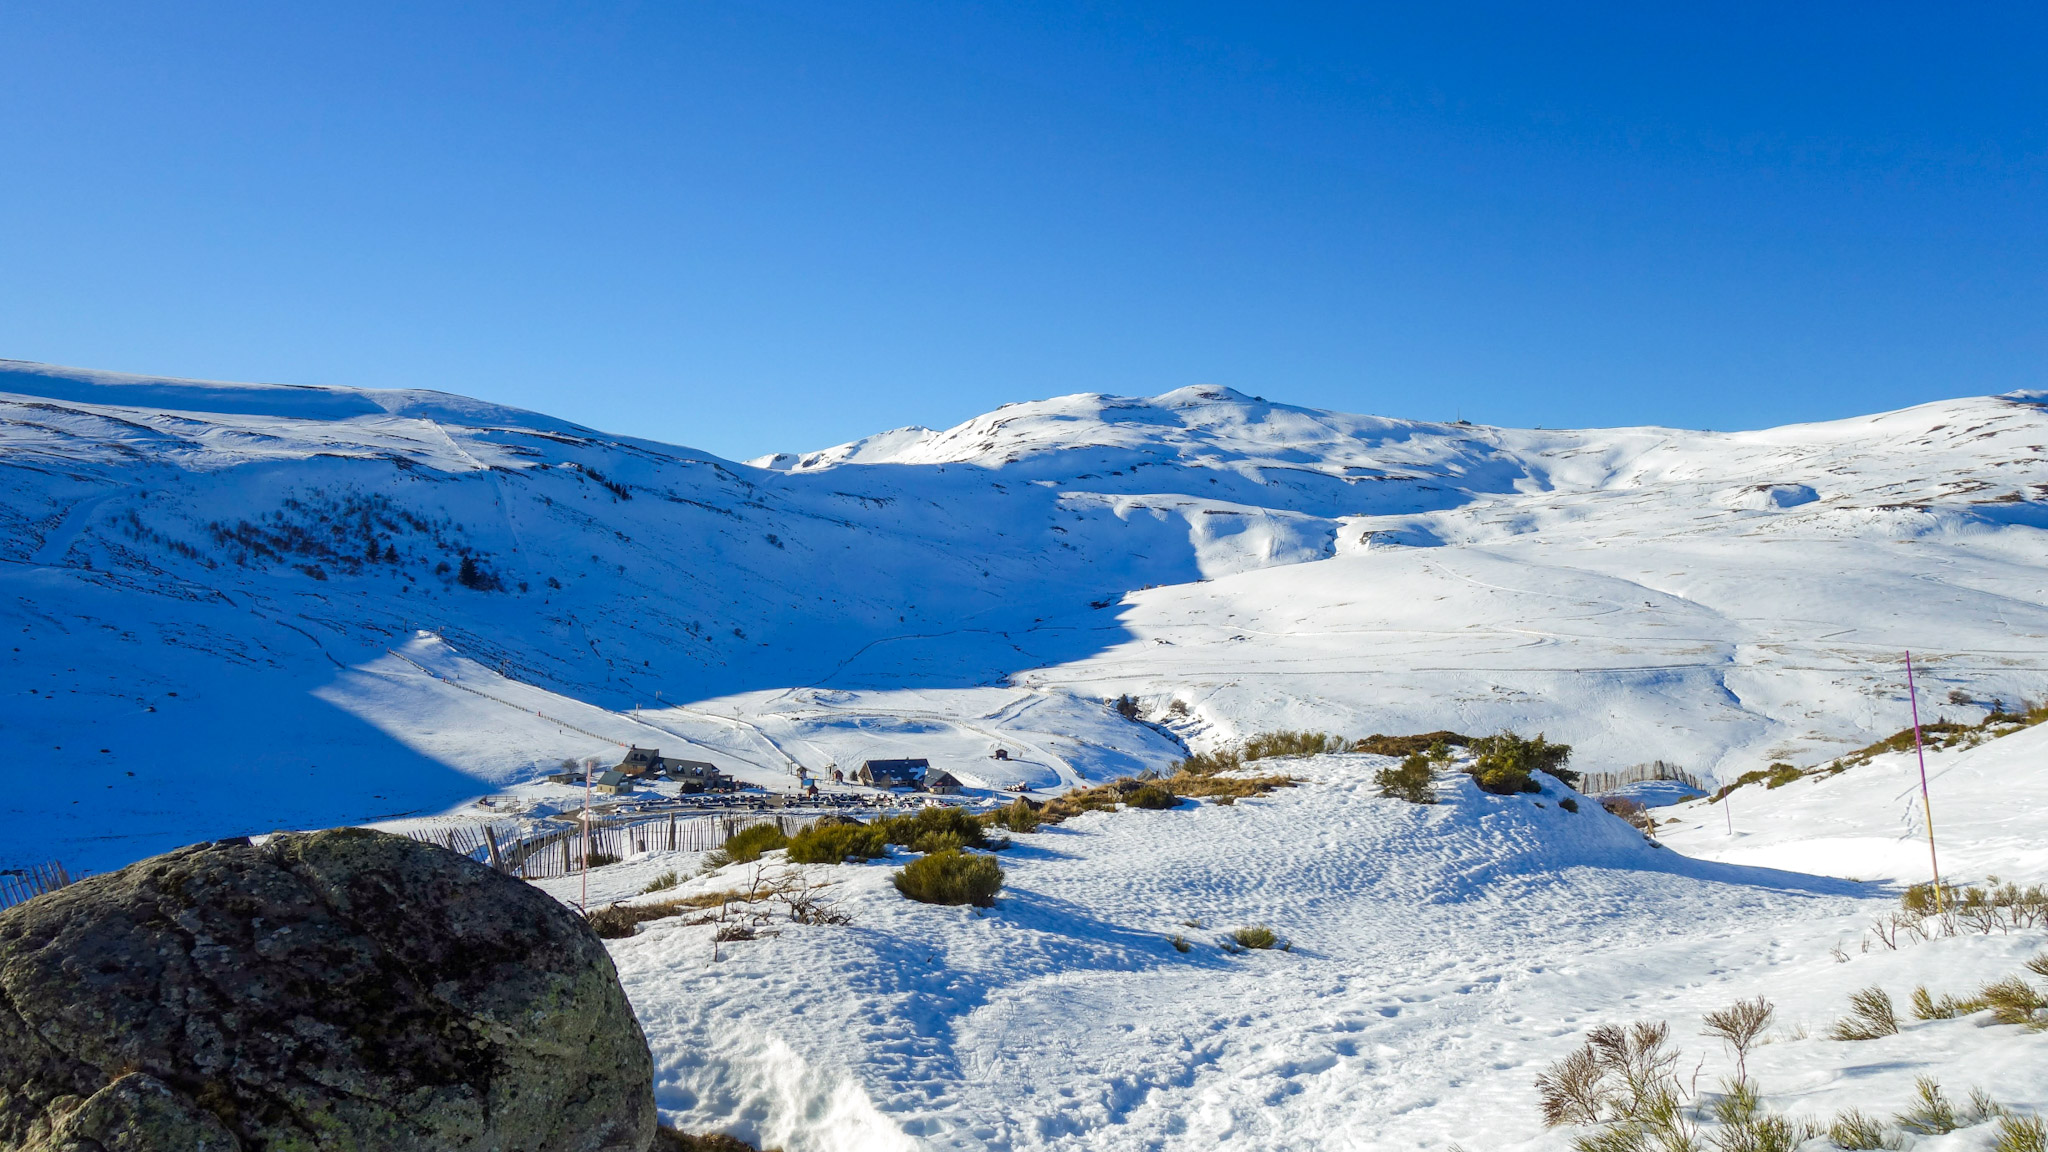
(235, 592)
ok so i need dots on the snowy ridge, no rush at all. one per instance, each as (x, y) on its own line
(1714, 600)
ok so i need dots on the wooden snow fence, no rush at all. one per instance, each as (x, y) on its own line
(559, 851)
(1598, 783)
(32, 881)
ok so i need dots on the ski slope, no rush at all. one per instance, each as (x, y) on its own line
(1713, 600)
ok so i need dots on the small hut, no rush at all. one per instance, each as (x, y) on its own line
(940, 782)
(613, 783)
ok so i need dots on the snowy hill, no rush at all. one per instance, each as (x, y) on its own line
(266, 602)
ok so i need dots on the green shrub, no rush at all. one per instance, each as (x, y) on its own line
(1413, 781)
(1016, 816)
(1505, 761)
(1871, 1015)
(1267, 745)
(836, 843)
(1775, 776)
(1180, 943)
(1568, 804)
(951, 877)
(1151, 796)
(662, 883)
(934, 829)
(599, 860)
(1405, 746)
(750, 843)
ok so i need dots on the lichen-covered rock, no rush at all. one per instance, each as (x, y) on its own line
(340, 990)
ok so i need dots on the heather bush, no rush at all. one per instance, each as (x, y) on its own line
(1151, 796)
(951, 877)
(1413, 781)
(1267, 745)
(1504, 762)
(748, 844)
(1016, 816)
(836, 843)
(934, 829)
(663, 882)
(1405, 746)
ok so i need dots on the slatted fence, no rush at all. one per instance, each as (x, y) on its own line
(1597, 783)
(559, 851)
(32, 881)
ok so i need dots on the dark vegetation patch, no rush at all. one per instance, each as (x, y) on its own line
(1405, 746)
(837, 843)
(1504, 762)
(667, 1139)
(951, 877)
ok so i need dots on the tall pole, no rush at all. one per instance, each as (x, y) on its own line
(585, 903)
(1926, 803)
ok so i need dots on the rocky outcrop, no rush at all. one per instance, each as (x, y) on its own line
(340, 990)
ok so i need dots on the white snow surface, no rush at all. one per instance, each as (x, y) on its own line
(1713, 600)
(229, 613)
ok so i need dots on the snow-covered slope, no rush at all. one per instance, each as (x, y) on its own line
(261, 551)
(1440, 958)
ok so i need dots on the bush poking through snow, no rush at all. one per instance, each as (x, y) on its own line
(662, 883)
(1180, 944)
(951, 877)
(1926, 1007)
(667, 1139)
(1871, 1015)
(1413, 781)
(1746, 1127)
(748, 844)
(1933, 1115)
(1405, 746)
(1209, 763)
(1267, 745)
(2020, 1134)
(2014, 1001)
(1857, 1132)
(1258, 936)
(1016, 816)
(1740, 1026)
(934, 829)
(836, 844)
(1151, 796)
(1505, 761)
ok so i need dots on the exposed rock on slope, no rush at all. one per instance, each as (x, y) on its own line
(336, 990)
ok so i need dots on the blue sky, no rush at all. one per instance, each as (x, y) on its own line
(764, 226)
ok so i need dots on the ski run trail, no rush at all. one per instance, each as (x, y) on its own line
(236, 608)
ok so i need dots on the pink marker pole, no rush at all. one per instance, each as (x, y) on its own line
(1926, 802)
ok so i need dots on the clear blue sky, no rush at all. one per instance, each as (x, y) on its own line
(761, 226)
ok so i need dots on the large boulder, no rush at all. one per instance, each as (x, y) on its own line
(327, 991)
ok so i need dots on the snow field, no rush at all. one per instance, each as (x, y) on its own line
(1441, 957)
